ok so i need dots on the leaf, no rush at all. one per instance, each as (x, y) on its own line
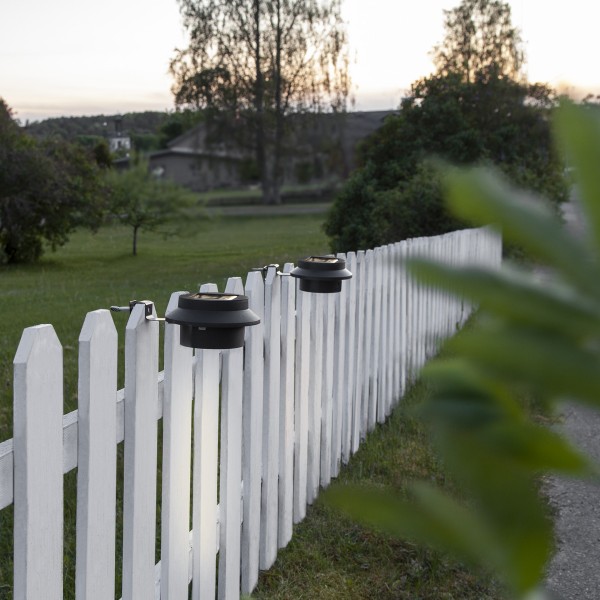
(548, 361)
(432, 518)
(515, 296)
(480, 196)
(578, 134)
(435, 519)
(534, 448)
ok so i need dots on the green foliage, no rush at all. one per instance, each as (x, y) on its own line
(46, 190)
(144, 202)
(480, 38)
(537, 337)
(488, 121)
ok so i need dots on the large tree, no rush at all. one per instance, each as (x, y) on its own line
(470, 111)
(254, 62)
(47, 188)
(480, 40)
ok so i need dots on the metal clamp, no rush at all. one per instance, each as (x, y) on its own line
(147, 309)
(265, 269)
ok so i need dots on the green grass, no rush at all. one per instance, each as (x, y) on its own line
(332, 557)
(97, 271)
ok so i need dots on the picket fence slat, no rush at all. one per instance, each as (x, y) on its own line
(97, 458)
(350, 368)
(340, 381)
(140, 457)
(327, 389)
(286, 410)
(231, 475)
(303, 312)
(359, 353)
(252, 434)
(204, 479)
(315, 395)
(272, 385)
(176, 464)
(38, 487)
(272, 423)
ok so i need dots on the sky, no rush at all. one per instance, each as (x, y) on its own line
(77, 57)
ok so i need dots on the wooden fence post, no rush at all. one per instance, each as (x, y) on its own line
(139, 497)
(286, 409)
(38, 460)
(270, 456)
(97, 458)
(176, 464)
(252, 433)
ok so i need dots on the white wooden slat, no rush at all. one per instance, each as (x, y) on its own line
(389, 345)
(340, 379)
(315, 396)
(176, 464)
(204, 481)
(359, 353)
(38, 486)
(286, 409)
(97, 458)
(382, 339)
(270, 454)
(402, 317)
(368, 395)
(303, 312)
(327, 387)
(140, 461)
(252, 434)
(397, 322)
(231, 474)
(348, 401)
(379, 326)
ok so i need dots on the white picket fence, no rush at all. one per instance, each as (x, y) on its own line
(314, 378)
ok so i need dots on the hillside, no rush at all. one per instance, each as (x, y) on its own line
(71, 128)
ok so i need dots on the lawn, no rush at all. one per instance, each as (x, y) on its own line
(97, 271)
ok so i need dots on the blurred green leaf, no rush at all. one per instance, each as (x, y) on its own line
(548, 361)
(516, 296)
(480, 196)
(578, 135)
(430, 517)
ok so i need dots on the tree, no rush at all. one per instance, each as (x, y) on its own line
(47, 189)
(480, 40)
(462, 117)
(250, 63)
(144, 202)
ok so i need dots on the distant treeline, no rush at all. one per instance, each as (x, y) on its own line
(149, 130)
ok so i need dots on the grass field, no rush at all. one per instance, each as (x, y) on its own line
(97, 271)
(329, 556)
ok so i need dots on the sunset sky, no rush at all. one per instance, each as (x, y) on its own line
(76, 57)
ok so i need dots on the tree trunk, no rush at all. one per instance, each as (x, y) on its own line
(259, 95)
(135, 232)
(277, 158)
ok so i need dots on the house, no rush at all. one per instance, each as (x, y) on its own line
(319, 147)
(118, 141)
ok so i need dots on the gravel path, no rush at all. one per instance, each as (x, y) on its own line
(574, 572)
